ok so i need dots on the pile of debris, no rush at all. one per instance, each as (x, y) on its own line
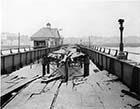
(65, 57)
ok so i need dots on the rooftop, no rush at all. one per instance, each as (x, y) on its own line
(46, 33)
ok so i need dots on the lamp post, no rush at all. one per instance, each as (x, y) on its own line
(80, 41)
(89, 41)
(18, 41)
(121, 54)
(61, 40)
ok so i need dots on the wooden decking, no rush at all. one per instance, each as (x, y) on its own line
(97, 91)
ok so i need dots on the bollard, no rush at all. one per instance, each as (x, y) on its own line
(86, 66)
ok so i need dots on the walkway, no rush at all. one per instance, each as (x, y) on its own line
(97, 91)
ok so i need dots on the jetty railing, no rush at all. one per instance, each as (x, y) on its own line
(11, 50)
(13, 61)
(127, 71)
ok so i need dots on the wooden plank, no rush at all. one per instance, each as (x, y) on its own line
(36, 96)
(26, 81)
(52, 79)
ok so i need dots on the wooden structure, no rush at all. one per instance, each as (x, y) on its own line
(66, 84)
(47, 37)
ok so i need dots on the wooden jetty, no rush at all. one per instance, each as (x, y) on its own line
(57, 90)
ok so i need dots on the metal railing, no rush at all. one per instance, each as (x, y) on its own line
(115, 52)
(127, 71)
(6, 51)
(15, 60)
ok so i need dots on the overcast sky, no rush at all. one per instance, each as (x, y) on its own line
(77, 18)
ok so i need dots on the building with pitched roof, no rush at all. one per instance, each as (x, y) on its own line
(47, 37)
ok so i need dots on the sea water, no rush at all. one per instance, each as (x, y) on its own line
(131, 56)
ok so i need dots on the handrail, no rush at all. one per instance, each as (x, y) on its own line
(99, 48)
(13, 61)
(10, 50)
(126, 71)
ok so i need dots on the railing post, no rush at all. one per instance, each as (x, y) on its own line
(109, 51)
(18, 50)
(1, 52)
(100, 49)
(11, 51)
(101, 62)
(104, 50)
(116, 53)
(126, 55)
(24, 49)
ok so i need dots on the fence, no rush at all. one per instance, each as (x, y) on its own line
(14, 61)
(127, 71)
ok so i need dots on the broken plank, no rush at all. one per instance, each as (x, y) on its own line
(26, 81)
(52, 79)
(37, 101)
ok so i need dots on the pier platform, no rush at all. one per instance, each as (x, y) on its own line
(99, 90)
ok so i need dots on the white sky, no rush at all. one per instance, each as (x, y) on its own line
(77, 18)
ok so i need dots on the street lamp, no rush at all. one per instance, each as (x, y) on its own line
(61, 38)
(121, 54)
(19, 40)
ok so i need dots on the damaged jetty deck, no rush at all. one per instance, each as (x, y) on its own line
(58, 90)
